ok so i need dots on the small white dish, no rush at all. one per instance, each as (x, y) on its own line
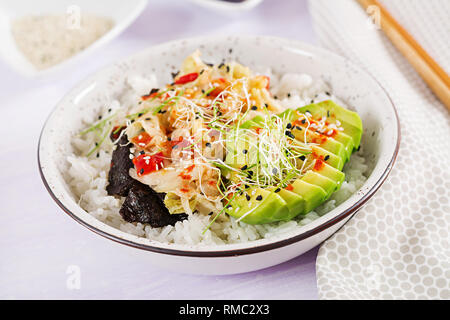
(351, 84)
(123, 13)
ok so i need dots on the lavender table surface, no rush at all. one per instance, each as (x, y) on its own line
(39, 244)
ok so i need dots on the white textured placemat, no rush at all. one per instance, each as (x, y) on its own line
(397, 246)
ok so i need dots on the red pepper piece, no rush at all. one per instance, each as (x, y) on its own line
(142, 139)
(146, 164)
(187, 78)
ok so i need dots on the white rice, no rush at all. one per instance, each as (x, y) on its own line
(88, 178)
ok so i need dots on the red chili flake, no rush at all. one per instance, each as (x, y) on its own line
(333, 134)
(146, 164)
(185, 175)
(185, 190)
(142, 139)
(258, 130)
(149, 96)
(320, 139)
(319, 164)
(115, 132)
(186, 78)
(220, 84)
(289, 187)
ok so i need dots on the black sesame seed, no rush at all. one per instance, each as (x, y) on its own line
(254, 108)
(96, 144)
(208, 144)
(289, 94)
(109, 110)
(289, 126)
(210, 213)
(98, 154)
(174, 74)
(99, 117)
(326, 157)
(154, 90)
(312, 101)
(230, 50)
(203, 91)
(250, 173)
(328, 113)
(148, 119)
(169, 139)
(298, 128)
(141, 171)
(209, 64)
(228, 69)
(327, 93)
(358, 148)
(304, 121)
(203, 70)
(277, 190)
(221, 65)
(140, 114)
(244, 167)
(247, 186)
(248, 197)
(289, 134)
(229, 206)
(275, 97)
(141, 152)
(259, 198)
(244, 151)
(302, 158)
(266, 105)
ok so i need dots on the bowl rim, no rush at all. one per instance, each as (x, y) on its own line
(240, 251)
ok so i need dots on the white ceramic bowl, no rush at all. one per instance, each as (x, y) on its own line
(225, 6)
(123, 13)
(357, 88)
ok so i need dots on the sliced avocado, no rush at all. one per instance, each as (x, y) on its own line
(312, 194)
(330, 158)
(328, 171)
(259, 206)
(325, 142)
(349, 120)
(321, 181)
(347, 141)
(241, 149)
(294, 202)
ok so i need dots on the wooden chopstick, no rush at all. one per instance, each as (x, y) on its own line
(428, 69)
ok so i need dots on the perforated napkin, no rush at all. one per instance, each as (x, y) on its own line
(397, 246)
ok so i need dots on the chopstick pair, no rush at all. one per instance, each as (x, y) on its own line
(428, 69)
